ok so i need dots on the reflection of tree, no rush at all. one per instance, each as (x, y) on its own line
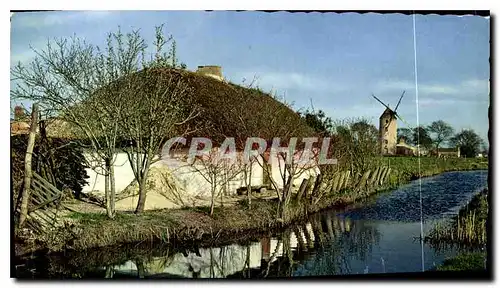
(361, 240)
(139, 263)
(319, 233)
(109, 272)
(106, 262)
(300, 240)
(212, 271)
(342, 241)
(246, 266)
(325, 245)
(273, 257)
(308, 236)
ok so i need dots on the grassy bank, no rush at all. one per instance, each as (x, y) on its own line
(409, 168)
(468, 228)
(182, 227)
(464, 262)
(229, 224)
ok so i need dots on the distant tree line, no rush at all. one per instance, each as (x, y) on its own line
(439, 134)
(354, 141)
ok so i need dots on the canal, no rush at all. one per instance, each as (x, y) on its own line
(378, 235)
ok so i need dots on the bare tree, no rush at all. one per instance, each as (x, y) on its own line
(288, 163)
(78, 82)
(158, 105)
(356, 148)
(217, 172)
(292, 165)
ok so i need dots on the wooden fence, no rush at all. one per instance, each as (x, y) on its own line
(45, 200)
(343, 180)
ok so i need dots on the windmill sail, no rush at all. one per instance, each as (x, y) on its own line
(399, 101)
(400, 118)
(382, 102)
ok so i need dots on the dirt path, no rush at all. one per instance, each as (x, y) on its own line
(155, 201)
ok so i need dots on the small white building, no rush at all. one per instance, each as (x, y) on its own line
(190, 181)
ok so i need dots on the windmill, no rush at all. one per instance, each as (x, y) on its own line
(388, 127)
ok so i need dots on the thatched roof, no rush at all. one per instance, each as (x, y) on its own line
(55, 128)
(229, 110)
(236, 111)
(226, 109)
(19, 127)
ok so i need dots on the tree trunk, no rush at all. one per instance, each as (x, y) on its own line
(27, 166)
(142, 189)
(221, 198)
(112, 190)
(107, 191)
(224, 185)
(212, 200)
(107, 194)
(288, 190)
(249, 185)
(284, 198)
(142, 197)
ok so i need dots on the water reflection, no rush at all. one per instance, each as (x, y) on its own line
(442, 195)
(277, 256)
(378, 237)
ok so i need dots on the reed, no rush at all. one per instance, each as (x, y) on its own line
(467, 228)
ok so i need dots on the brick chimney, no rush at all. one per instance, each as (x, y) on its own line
(212, 71)
(19, 113)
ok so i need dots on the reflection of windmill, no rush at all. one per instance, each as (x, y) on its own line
(388, 127)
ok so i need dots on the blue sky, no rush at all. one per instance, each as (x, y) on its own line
(334, 60)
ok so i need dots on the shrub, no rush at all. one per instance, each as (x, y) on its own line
(60, 161)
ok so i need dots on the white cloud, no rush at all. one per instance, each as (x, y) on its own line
(476, 84)
(47, 19)
(298, 81)
(23, 57)
(429, 102)
(438, 89)
(371, 112)
(462, 90)
(26, 54)
(384, 86)
(422, 87)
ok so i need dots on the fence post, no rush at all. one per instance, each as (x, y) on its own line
(302, 188)
(27, 165)
(317, 184)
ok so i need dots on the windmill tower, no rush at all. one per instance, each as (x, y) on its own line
(388, 128)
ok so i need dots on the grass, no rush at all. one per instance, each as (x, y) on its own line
(175, 226)
(431, 165)
(405, 169)
(229, 223)
(184, 227)
(467, 228)
(464, 262)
